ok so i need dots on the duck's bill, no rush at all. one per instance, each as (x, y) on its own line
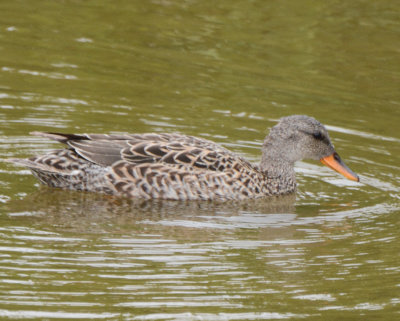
(333, 161)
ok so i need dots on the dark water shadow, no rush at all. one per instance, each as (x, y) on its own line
(91, 213)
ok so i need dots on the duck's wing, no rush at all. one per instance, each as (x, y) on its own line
(168, 149)
(100, 149)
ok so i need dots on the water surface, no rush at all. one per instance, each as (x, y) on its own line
(224, 71)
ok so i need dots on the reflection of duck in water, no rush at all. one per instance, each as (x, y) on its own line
(174, 166)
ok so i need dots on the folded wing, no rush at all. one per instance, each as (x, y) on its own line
(171, 150)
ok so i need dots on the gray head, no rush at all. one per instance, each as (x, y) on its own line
(300, 137)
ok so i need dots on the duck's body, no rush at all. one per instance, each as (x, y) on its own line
(174, 166)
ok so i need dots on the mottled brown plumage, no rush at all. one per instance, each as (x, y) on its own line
(180, 167)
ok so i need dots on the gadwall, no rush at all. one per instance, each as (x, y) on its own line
(180, 167)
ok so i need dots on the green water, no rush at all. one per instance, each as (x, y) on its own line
(226, 71)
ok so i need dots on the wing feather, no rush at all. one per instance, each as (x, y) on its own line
(190, 152)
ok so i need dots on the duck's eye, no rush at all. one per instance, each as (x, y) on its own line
(318, 136)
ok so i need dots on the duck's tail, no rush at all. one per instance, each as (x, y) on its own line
(60, 137)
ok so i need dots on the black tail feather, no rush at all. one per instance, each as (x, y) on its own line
(60, 137)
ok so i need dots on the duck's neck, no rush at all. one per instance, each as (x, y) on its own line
(276, 167)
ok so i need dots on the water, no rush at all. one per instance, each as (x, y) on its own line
(225, 71)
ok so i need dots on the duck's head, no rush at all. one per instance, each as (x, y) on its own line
(302, 137)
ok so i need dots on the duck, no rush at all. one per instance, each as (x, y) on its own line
(174, 166)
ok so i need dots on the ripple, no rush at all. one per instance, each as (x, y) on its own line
(219, 316)
(51, 75)
(361, 134)
(315, 297)
(26, 314)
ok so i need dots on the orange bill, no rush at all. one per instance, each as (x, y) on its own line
(333, 161)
